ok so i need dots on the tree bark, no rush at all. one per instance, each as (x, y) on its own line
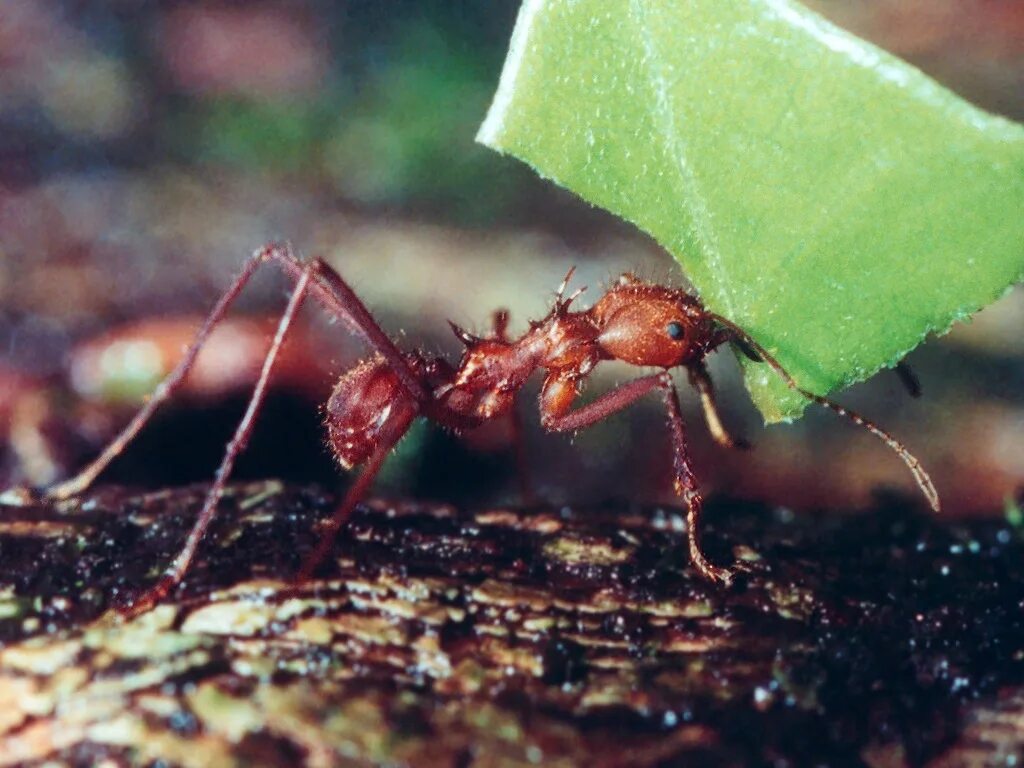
(435, 636)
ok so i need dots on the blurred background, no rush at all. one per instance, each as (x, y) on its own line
(147, 147)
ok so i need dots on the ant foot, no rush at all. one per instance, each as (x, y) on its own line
(712, 573)
(718, 575)
(20, 496)
(64, 490)
(149, 599)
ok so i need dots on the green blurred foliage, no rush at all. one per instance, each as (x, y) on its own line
(398, 134)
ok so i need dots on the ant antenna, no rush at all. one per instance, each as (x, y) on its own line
(924, 482)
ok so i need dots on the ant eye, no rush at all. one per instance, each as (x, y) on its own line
(675, 330)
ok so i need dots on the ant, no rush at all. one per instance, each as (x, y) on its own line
(373, 404)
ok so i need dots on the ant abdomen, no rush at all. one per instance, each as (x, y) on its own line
(367, 407)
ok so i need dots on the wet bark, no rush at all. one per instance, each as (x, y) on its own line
(554, 636)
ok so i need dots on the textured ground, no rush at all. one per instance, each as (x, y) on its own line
(555, 637)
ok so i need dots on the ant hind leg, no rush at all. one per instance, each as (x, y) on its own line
(355, 494)
(325, 285)
(85, 477)
(176, 572)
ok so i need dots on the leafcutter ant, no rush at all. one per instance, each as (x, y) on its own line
(374, 403)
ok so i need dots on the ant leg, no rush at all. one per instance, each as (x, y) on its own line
(558, 393)
(176, 572)
(353, 496)
(337, 296)
(556, 400)
(80, 482)
(499, 332)
(686, 487)
(701, 381)
(326, 286)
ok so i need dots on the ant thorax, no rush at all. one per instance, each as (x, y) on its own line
(493, 370)
(567, 342)
(635, 322)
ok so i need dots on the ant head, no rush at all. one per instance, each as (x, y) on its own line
(651, 325)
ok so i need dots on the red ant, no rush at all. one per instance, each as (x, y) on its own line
(374, 403)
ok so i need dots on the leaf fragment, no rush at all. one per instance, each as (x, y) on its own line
(826, 196)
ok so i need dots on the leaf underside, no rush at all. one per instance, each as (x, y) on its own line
(827, 197)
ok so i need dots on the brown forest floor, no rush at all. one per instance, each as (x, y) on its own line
(555, 637)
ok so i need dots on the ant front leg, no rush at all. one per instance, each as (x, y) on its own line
(701, 381)
(556, 400)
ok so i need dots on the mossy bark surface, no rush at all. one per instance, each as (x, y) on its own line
(436, 636)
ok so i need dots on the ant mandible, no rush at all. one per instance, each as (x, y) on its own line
(374, 403)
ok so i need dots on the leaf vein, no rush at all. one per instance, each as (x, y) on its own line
(701, 218)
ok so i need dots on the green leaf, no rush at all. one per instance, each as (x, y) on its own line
(829, 198)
